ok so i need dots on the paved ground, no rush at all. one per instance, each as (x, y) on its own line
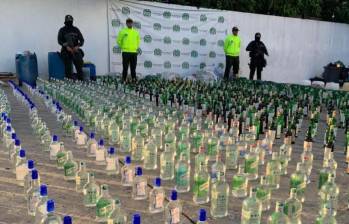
(13, 205)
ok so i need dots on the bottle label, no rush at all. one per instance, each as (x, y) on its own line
(54, 149)
(128, 174)
(151, 158)
(100, 155)
(91, 196)
(251, 165)
(33, 201)
(111, 163)
(61, 160)
(204, 187)
(221, 201)
(93, 148)
(21, 172)
(175, 215)
(81, 139)
(78, 181)
(141, 189)
(159, 200)
(105, 211)
(168, 169)
(69, 171)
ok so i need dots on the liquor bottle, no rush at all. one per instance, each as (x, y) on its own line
(219, 197)
(326, 216)
(293, 207)
(239, 184)
(21, 167)
(298, 181)
(251, 209)
(92, 146)
(81, 138)
(182, 174)
(81, 177)
(279, 125)
(217, 168)
(251, 164)
(33, 193)
(50, 216)
(118, 216)
(127, 172)
(212, 147)
(156, 197)
(231, 156)
(273, 171)
(173, 210)
(167, 165)
(139, 189)
(279, 217)
(14, 152)
(91, 191)
(286, 148)
(201, 187)
(267, 143)
(264, 193)
(150, 156)
(76, 130)
(61, 158)
(105, 205)
(138, 147)
(201, 159)
(283, 155)
(55, 147)
(113, 133)
(307, 158)
(112, 161)
(28, 177)
(126, 140)
(197, 141)
(183, 146)
(70, 167)
(100, 153)
(202, 217)
(329, 195)
(157, 135)
(40, 210)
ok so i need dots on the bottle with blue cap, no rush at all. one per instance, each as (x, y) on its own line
(40, 210)
(157, 197)
(136, 219)
(100, 153)
(67, 220)
(127, 172)
(10, 143)
(173, 210)
(61, 157)
(112, 160)
(202, 217)
(150, 155)
(7, 134)
(70, 167)
(28, 177)
(105, 205)
(33, 194)
(92, 145)
(54, 147)
(50, 217)
(140, 188)
(91, 191)
(14, 152)
(81, 138)
(81, 177)
(21, 167)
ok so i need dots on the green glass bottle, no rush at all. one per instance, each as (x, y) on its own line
(201, 188)
(239, 184)
(105, 205)
(298, 180)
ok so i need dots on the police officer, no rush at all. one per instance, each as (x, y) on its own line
(71, 39)
(232, 45)
(129, 40)
(257, 51)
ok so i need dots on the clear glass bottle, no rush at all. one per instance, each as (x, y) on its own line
(329, 195)
(61, 158)
(157, 197)
(14, 152)
(307, 158)
(173, 210)
(325, 172)
(100, 153)
(150, 156)
(239, 184)
(201, 159)
(231, 157)
(105, 205)
(92, 146)
(326, 216)
(81, 177)
(70, 167)
(50, 217)
(219, 198)
(125, 141)
(251, 209)
(118, 216)
(293, 207)
(279, 217)
(167, 165)
(264, 193)
(81, 138)
(112, 160)
(21, 167)
(273, 171)
(28, 178)
(286, 148)
(55, 147)
(157, 135)
(139, 189)
(218, 167)
(138, 147)
(182, 174)
(40, 210)
(251, 164)
(33, 193)
(127, 172)
(91, 191)
(298, 180)
(212, 147)
(202, 217)
(201, 188)
(114, 133)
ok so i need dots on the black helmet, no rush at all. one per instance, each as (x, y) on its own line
(68, 18)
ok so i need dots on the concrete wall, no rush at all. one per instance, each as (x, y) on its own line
(33, 25)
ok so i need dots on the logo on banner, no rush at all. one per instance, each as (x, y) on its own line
(157, 52)
(203, 42)
(176, 53)
(116, 50)
(147, 12)
(185, 41)
(213, 31)
(220, 43)
(157, 26)
(148, 64)
(148, 39)
(167, 40)
(176, 28)
(185, 16)
(203, 18)
(185, 65)
(221, 65)
(194, 54)
(202, 65)
(137, 25)
(139, 51)
(115, 23)
(167, 64)
(212, 54)
(167, 15)
(221, 19)
(194, 29)
(125, 10)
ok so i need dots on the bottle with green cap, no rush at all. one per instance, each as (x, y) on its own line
(50, 216)
(157, 197)
(140, 188)
(173, 210)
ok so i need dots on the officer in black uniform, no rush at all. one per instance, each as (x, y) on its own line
(257, 51)
(71, 39)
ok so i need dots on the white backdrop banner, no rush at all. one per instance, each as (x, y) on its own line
(175, 39)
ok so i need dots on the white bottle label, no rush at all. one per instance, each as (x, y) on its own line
(81, 139)
(54, 149)
(159, 200)
(128, 176)
(93, 148)
(175, 216)
(100, 156)
(21, 172)
(110, 164)
(141, 188)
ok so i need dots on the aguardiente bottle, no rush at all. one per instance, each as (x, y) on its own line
(14, 152)
(201, 187)
(139, 188)
(217, 168)
(112, 161)
(279, 217)
(219, 197)
(264, 193)
(40, 210)
(127, 172)
(201, 159)
(182, 174)
(231, 156)
(91, 191)
(167, 164)
(329, 193)
(92, 146)
(21, 167)
(81, 138)
(61, 158)
(307, 158)
(298, 181)
(326, 216)
(81, 177)
(173, 210)
(28, 177)
(251, 164)
(150, 155)
(105, 205)
(100, 153)
(50, 216)
(293, 207)
(157, 197)
(70, 167)
(33, 193)
(138, 147)
(273, 171)
(239, 184)
(113, 133)
(54, 148)
(251, 209)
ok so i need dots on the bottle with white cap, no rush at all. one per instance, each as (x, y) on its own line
(21, 167)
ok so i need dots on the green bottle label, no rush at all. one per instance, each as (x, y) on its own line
(182, 176)
(251, 165)
(69, 170)
(91, 196)
(104, 208)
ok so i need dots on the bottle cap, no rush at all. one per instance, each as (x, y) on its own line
(14, 136)
(50, 206)
(43, 190)
(202, 215)
(8, 120)
(92, 135)
(112, 150)
(174, 195)
(35, 174)
(101, 142)
(30, 164)
(17, 142)
(139, 171)
(157, 181)
(67, 220)
(8, 128)
(128, 159)
(75, 123)
(22, 153)
(136, 219)
(81, 128)
(55, 138)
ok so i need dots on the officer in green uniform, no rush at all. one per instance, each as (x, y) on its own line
(232, 46)
(129, 40)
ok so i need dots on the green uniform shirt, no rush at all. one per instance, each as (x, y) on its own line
(129, 40)
(232, 45)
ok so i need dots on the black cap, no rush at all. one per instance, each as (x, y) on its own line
(129, 20)
(69, 18)
(235, 28)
